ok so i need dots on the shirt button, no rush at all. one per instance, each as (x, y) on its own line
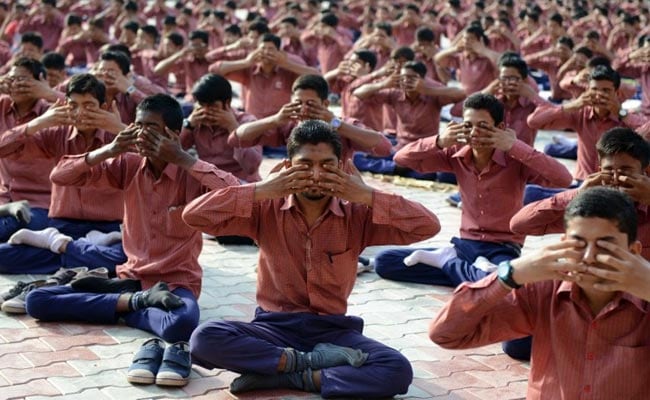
(482, 212)
(480, 196)
(590, 356)
(587, 388)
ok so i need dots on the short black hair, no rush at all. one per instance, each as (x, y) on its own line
(233, 29)
(34, 38)
(385, 26)
(330, 19)
(534, 16)
(259, 27)
(567, 41)
(599, 60)
(73, 19)
(121, 59)
(131, 6)
(169, 20)
(53, 60)
(49, 2)
(176, 38)
(603, 73)
(416, 66)
(516, 62)
(483, 101)
(96, 22)
(212, 87)
(606, 203)
(478, 31)
(367, 56)
(584, 50)
(312, 82)
(624, 140)
(167, 107)
(87, 83)
(424, 34)
(131, 26)
(33, 66)
(593, 35)
(404, 52)
(120, 47)
(202, 35)
(557, 18)
(290, 20)
(151, 31)
(313, 132)
(269, 37)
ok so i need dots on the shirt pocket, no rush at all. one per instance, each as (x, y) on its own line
(341, 272)
(174, 224)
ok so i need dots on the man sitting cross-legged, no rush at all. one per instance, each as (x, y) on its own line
(311, 221)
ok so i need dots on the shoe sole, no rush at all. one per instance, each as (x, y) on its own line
(171, 381)
(143, 380)
(9, 309)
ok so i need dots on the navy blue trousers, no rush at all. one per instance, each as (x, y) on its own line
(62, 303)
(389, 264)
(21, 259)
(39, 220)
(255, 347)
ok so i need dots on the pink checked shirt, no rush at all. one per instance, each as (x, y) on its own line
(212, 146)
(491, 196)
(309, 268)
(158, 244)
(576, 355)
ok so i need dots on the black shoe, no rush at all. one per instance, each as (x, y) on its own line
(16, 305)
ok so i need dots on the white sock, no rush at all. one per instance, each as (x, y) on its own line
(49, 238)
(484, 264)
(103, 239)
(435, 258)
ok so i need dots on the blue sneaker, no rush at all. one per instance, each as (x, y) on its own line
(454, 200)
(176, 365)
(146, 362)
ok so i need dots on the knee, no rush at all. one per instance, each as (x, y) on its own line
(37, 303)
(181, 329)
(401, 375)
(387, 263)
(204, 340)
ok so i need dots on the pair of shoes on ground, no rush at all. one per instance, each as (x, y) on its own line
(12, 301)
(153, 363)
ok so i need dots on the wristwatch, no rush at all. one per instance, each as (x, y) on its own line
(335, 123)
(187, 124)
(622, 113)
(504, 273)
(130, 89)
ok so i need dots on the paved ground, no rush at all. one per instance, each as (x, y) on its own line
(77, 361)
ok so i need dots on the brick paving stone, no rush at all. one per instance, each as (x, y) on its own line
(15, 360)
(68, 385)
(94, 394)
(24, 375)
(45, 358)
(515, 390)
(86, 339)
(18, 334)
(110, 351)
(23, 346)
(202, 385)
(134, 392)
(39, 387)
(87, 368)
(446, 368)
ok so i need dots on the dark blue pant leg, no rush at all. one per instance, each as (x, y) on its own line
(518, 349)
(533, 193)
(172, 326)
(389, 264)
(385, 373)
(378, 165)
(81, 253)
(77, 228)
(62, 303)
(21, 259)
(461, 268)
(9, 225)
(562, 150)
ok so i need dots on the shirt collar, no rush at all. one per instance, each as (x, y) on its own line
(170, 169)
(257, 69)
(574, 292)
(334, 205)
(591, 114)
(465, 153)
(99, 134)
(39, 108)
